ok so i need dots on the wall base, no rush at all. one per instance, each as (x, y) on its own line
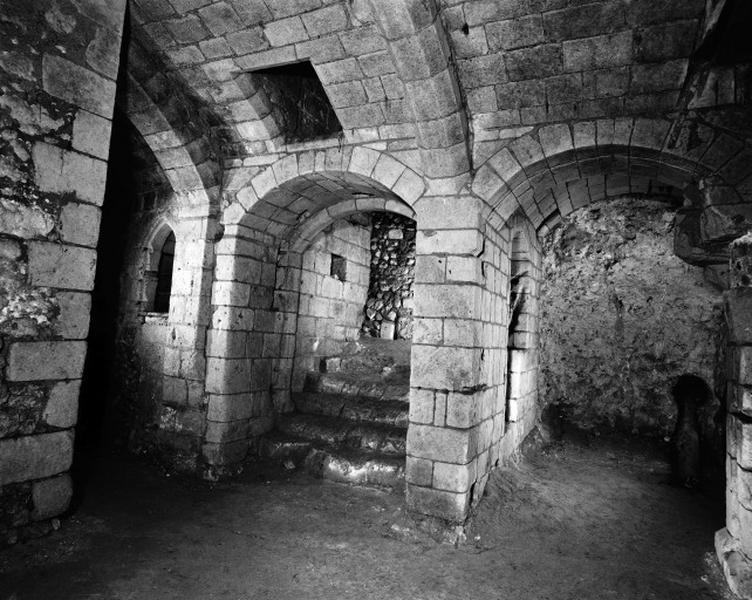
(737, 568)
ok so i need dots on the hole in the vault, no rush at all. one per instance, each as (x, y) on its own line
(299, 101)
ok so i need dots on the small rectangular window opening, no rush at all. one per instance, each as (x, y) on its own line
(338, 269)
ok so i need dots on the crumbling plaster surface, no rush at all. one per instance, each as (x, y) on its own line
(621, 318)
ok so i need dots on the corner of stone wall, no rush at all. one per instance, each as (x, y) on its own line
(458, 357)
(55, 120)
(734, 542)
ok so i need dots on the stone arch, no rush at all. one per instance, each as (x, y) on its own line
(156, 106)
(152, 250)
(542, 172)
(196, 182)
(302, 236)
(256, 291)
(243, 107)
(368, 172)
(155, 237)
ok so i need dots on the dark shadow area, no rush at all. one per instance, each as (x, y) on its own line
(698, 448)
(565, 522)
(117, 210)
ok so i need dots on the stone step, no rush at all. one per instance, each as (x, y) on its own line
(342, 383)
(343, 465)
(335, 432)
(357, 468)
(353, 408)
(280, 447)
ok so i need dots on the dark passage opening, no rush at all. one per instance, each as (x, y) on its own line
(698, 442)
(116, 210)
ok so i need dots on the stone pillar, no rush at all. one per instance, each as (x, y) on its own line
(243, 332)
(734, 542)
(57, 104)
(458, 355)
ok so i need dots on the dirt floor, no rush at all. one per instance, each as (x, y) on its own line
(567, 522)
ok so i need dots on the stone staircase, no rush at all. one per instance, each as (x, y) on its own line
(350, 422)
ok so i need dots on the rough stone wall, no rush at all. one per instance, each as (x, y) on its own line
(389, 308)
(58, 64)
(622, 318)
(331, 303)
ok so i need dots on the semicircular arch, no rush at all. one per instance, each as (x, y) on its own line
(557, 169)
(299, 187)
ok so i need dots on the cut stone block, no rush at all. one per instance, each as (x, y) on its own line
(51, 497)
(36, 361)
(35, 456)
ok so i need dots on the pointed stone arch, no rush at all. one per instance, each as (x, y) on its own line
(151, 255)
(155, 103)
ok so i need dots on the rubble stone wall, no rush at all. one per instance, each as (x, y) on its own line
(389, 309)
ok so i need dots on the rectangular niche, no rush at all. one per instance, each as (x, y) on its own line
(338, 268)
(298, 101)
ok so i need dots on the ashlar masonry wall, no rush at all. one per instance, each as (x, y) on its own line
(523, 357)
(333, 291)
(458, 428)
(157, 398)
(58, 67)
(734, 542)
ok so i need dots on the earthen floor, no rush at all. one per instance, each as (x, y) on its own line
(568, 522)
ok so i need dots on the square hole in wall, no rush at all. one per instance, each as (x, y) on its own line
(338, 270)
(299, 101)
